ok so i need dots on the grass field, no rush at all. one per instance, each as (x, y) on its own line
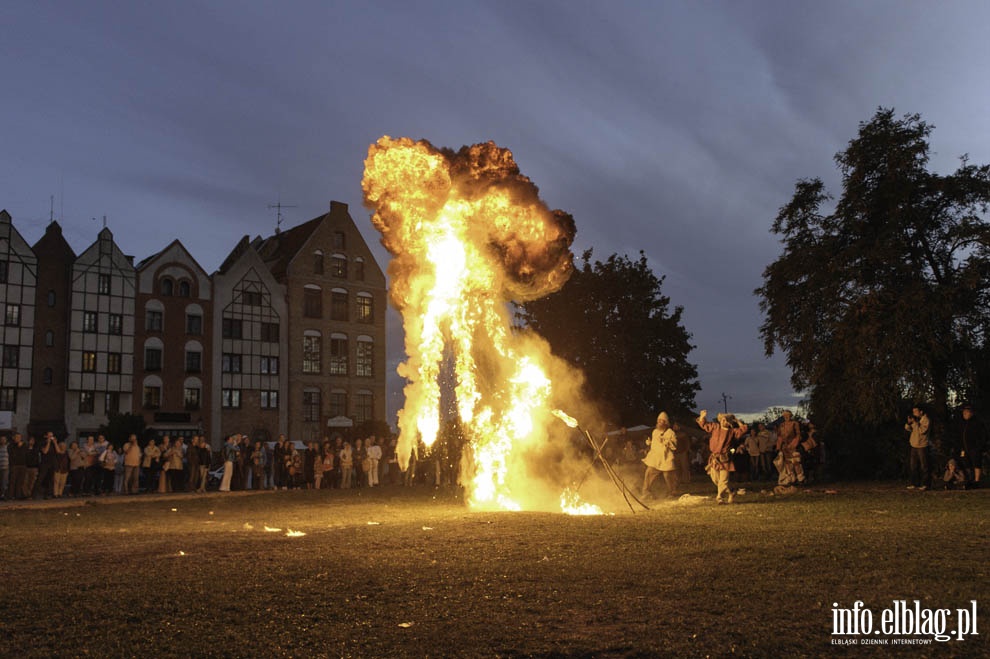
(411, 572)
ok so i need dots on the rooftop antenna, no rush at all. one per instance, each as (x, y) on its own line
(51, 212)
(278, 206)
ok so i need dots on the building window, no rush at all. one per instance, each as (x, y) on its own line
(339, 240)
(113, 362)
(364, 361)
(338, 356)
(152, 397)
(87, 402)
(230, 363)
(49, 338)
(363, 408)
(184, 289)
(11, 356)
(111, 403)
(311, 354)
(51, 298)
(13, 317)
(338, 305)
(318, 263)
(365, 311)
(153, 321)
(312, 303)
(46, 375)
(89, 362)
(232, 328)
(3, 276)
(194, 324)
(152, 359)
(104, 285)
(194, 361)
(230, 398)
(338, 266)
(8, 395)
(311, 406)
(269, 365)
(359, 269)
(89, 321)
(269, 400)
(338, 404)
(167, 286)
(269, 332)
(115, 324)
(191, 398)
(251, 298)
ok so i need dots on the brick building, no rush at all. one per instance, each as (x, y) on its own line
(336, 323)
(51, 332)
(174, 354)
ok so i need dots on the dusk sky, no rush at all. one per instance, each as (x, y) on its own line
(676, 128)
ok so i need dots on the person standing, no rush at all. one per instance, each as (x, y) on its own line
(972, 443)
(4, 467)
(108, 464)
(46, 467)
(919, 426)
(90, 453)
(61, 469)
(164, 461)
(229, 457)
(150, 465)
(77, 469)
(17, 453)
(660, 459)
(788, 440)
(374, 459)
(33, 461)
(723, 434)
(132, 464)
(205, 462)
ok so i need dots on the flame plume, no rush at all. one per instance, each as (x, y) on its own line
(469, 233)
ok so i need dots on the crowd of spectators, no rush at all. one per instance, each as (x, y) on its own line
(95, 467)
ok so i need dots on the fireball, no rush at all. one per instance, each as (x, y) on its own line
(469, 234)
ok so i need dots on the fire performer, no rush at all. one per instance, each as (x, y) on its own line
(723, 433)
(660, 459)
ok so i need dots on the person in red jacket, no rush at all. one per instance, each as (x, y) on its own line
(723, 434)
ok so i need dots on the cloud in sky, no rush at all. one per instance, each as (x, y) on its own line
(678, 128)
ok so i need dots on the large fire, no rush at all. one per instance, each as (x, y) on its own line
(469, 233)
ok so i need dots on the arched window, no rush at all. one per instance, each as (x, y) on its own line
(46, 375)
(166, 285)
(51, 298)
(318, 262)
(184, 289)
(49, 338)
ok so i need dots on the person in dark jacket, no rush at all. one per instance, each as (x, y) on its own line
(971, 444)
(17, 452)
(33, 461)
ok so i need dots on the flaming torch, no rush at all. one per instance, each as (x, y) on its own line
(469, 234)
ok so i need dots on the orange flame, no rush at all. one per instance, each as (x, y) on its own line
(469, 233)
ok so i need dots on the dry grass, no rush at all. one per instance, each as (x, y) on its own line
(398, 572)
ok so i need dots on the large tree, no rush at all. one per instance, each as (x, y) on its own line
(612, 321)
(882, 295)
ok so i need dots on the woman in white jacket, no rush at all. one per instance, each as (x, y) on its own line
(660, 459)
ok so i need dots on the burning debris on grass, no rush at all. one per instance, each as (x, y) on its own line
(469, 235)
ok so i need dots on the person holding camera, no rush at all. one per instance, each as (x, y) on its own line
(920, 469)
